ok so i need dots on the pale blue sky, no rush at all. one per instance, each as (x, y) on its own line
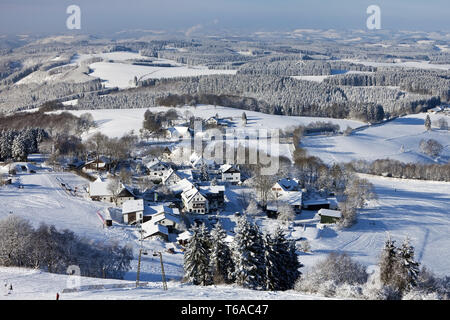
(99, 16)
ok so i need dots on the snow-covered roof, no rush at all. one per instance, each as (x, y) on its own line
(186, 235)
(166, 216)
(102, 160)
(294, 198)
(225, 167)
(132, 206)
(197, 160)
(188, 194)
(160, 208)
(155, 162)
(179, 130)
(100, 188)
(211, 189)
(180, 186)
(310, 202)
(168, 174)
(330, 213)
(288, 184)
(151, 229)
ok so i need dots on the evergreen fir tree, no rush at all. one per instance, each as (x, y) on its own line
(244, 118)
(281, 262)
(410, 267)
(388, 263)
(204, 175)
(221, 263)
(428, 123)
(248, 255)
(196, 258)
(271, 263)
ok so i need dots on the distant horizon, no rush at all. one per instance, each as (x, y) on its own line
(103, 17)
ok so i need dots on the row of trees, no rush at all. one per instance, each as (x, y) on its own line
(54, 124)
(252, 260)
(398, 169)
(54, 251)
(431, 82)
(297, 65)
(269, 94)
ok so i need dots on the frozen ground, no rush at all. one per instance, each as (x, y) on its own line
(382, 141)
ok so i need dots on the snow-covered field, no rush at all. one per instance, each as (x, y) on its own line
(413, 208)
(117, 122)
(381, 142)
(121, 75)
(116, 72)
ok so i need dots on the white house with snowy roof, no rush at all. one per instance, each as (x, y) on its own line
(285, 185)
(230, 173)
(194, 201)
(178, 132)
(157, 168)
(99, 190)
(198, 161)
(171, 178)
(134, 211)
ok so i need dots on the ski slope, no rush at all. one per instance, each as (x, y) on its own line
(37, 285)
(43, 200)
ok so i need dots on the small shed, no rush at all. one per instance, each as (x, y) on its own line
(184, 237)
(108, 219)
(329, 216)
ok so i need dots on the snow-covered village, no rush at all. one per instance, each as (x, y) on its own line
(303, 165)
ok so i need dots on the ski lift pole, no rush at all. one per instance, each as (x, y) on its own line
(162, 272)
(139, 260)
